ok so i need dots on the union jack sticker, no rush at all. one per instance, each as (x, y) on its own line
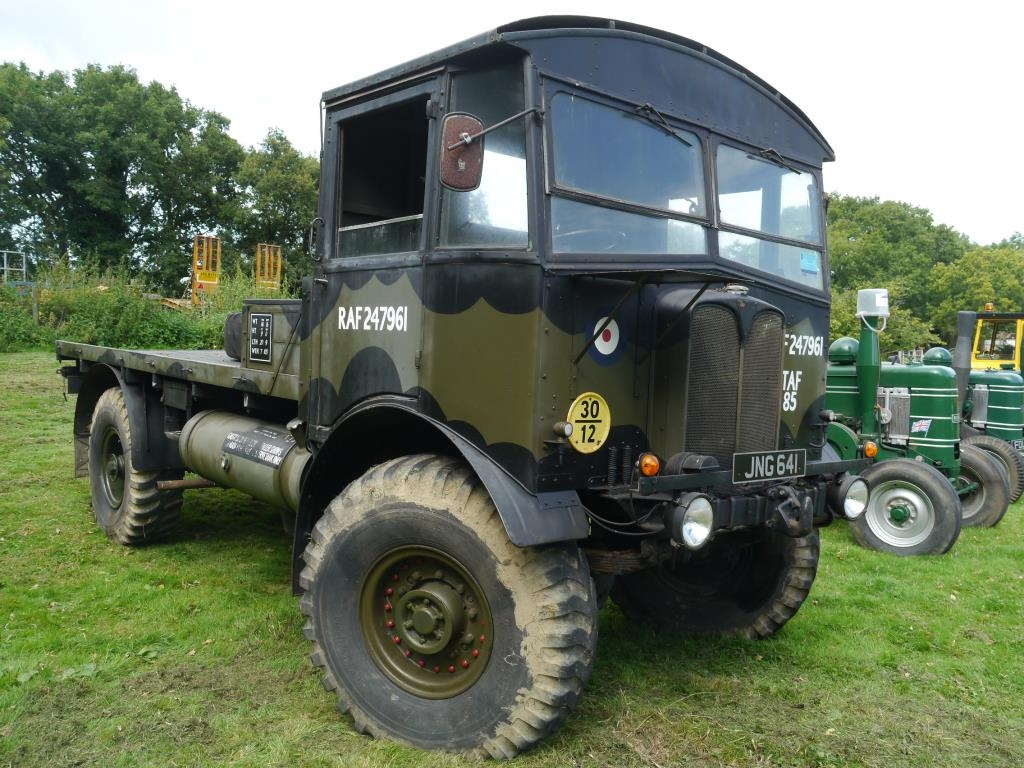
(921, 425)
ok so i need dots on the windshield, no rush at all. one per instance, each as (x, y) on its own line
(633, 180)
(997, 340)
(762, 194)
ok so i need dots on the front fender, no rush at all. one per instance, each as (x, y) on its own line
(385, 428)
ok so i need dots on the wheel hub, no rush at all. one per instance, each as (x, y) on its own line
(113, 469)
(428, 617)
(900, 513)
(426, 622)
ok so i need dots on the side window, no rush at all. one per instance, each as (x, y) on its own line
(495, 213)
(383, 168)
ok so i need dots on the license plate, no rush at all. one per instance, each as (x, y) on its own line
(1018, 445)
(768, 465)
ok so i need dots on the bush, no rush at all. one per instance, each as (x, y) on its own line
(112, 310)
(18, 331)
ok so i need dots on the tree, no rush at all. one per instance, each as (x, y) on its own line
(982, 275)
(891, 245)
(903, 331)
(278, 200)
(105, 170)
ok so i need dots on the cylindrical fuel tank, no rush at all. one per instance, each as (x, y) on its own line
(256, 457)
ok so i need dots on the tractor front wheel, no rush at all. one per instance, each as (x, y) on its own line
(913, 510)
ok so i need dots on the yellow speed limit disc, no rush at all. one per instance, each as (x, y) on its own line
(591, 419)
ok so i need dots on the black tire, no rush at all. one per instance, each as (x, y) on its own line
(522, 675)
(747, 582)
(985, 504)
(125, 501)
(912, 510)
(1006, 455)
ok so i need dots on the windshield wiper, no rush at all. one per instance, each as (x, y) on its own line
(653, 116)
(773, 157)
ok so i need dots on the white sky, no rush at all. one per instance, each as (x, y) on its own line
(914, 97)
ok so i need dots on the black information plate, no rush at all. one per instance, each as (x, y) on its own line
(768, 465)
(261, 331)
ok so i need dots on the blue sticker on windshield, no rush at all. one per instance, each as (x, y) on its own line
(809, 262)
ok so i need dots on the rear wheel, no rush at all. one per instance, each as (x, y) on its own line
(1006, 455)
(125, 501)
(746, 582)
(431, 626)
(981, 486)
(912, 510)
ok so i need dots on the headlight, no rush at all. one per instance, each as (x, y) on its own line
(849, 497)
(693, 520)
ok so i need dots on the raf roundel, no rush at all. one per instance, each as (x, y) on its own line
(606, 345)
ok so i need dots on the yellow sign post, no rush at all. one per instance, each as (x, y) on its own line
(205, 265)
(268, 266)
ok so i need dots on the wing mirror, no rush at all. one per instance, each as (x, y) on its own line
(462, 151)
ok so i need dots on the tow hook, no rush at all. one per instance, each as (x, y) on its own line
(797, 517)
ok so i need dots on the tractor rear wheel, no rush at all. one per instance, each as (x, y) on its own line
(981, 485)
(1006, 455)
(912, 510)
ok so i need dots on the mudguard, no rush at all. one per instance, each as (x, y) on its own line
(366, 435)
(151, 449)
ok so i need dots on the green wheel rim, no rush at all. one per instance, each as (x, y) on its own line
(112, 468)
(426, 622)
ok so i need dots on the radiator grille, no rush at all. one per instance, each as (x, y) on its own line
(896, 404)
(713, 382)
(761, 384)
(979, 413)
(734, 390)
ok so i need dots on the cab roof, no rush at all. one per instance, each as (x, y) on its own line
(528, 33)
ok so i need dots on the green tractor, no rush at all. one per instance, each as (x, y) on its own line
(992, 399)
(925, 482)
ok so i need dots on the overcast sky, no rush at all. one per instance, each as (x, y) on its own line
(922, 102)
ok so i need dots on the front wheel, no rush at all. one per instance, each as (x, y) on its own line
(431, 626)
(747, 582)
(982, 486)
(125, 501)
(912, 510)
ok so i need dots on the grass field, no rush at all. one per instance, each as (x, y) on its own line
(190, 652)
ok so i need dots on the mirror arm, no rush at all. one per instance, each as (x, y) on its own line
(466, 139)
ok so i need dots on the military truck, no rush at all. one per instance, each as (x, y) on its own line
(565, 335)
(926, 481)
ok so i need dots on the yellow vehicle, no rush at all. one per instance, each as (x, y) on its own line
(996, 336)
